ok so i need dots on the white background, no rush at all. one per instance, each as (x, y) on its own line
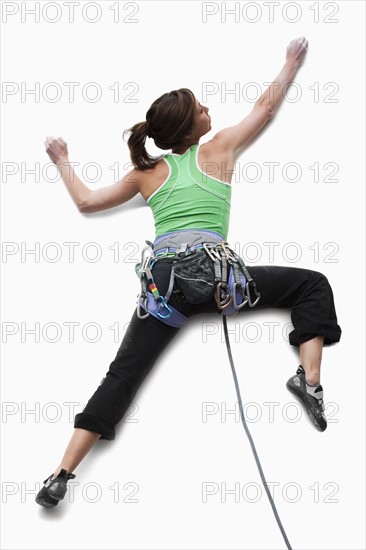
(165, 449)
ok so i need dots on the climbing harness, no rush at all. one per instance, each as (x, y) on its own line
(225, 277)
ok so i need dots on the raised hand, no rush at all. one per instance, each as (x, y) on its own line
(56, 149)
(297, 49)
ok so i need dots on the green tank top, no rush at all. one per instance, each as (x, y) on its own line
(189, 198)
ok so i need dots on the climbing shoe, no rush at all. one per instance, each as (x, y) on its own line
(310, 396)
(53, 490)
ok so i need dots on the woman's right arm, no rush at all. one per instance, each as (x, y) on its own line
(234, 137)
(90, 200)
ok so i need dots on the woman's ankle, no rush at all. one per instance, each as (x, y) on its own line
(57, 472)
(312, 378)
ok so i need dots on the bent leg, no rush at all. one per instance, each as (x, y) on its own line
(307, 293)
(309, 296)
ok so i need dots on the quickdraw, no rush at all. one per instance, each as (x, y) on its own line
(222, 254)
(147, 282)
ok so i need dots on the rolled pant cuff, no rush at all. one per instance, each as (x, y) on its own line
(330, 337)
(92, 423)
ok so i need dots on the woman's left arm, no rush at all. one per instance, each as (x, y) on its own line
(89, 200)
(234, 137)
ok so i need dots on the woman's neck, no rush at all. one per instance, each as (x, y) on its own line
(181, 152)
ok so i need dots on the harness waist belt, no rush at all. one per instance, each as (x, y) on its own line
(183, 239)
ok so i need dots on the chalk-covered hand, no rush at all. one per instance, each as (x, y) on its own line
(56, 149)
(297, 49)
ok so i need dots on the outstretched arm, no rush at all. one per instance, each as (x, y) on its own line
(275, 93)
(234, 137)
(88, 200)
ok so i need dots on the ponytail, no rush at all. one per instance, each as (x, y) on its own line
(136, 143)
(169, 123)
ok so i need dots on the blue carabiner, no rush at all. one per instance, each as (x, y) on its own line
(165, 305)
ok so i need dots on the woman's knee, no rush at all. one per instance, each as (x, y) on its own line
(319, 286)
(318, 275)
(320, 279)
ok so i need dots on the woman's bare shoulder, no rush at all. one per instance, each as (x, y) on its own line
(150, 179)
(217, 158)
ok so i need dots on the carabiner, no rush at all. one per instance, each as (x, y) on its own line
(146, 254)
(236, 305)
(163, 301)
(143, 304)
(251, 304)
(222, 304)
(214, 255)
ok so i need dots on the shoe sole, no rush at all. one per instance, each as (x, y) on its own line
(45, 500)
(299, 396)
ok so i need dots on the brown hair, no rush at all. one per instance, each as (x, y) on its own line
(169, 122)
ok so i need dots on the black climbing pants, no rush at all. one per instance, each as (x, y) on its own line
(306, 293)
